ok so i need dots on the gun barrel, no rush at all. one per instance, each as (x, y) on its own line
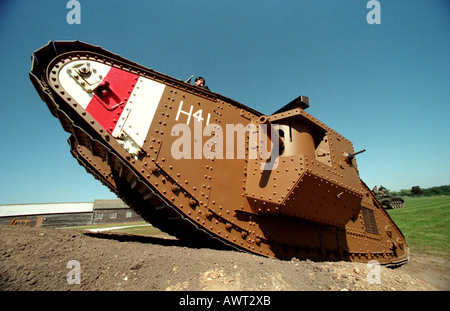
(351, 156)
(361, 151)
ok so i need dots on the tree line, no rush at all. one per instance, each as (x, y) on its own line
(418, 191)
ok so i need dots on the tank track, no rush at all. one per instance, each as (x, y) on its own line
(117, 175)
(397, 204)
(151, 207)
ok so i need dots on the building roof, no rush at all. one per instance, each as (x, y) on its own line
(109, 204)
(45, 208)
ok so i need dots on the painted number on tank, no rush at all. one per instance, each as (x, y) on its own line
(198, 114)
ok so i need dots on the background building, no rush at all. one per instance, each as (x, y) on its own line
(113, 211)
(69, 214)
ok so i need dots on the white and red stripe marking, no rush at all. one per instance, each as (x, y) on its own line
(126, 109)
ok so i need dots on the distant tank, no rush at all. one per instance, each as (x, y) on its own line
(387, 200)
(203, 167)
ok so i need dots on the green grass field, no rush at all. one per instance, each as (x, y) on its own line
(425, 223)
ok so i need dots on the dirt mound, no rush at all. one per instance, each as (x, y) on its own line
(52, 259)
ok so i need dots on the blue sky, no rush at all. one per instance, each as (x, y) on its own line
(385, 87)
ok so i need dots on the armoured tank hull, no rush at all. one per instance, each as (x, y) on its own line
(208, 169)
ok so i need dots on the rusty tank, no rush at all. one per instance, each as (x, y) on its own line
(203, 167)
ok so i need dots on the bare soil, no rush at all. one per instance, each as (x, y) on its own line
(37, 259)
